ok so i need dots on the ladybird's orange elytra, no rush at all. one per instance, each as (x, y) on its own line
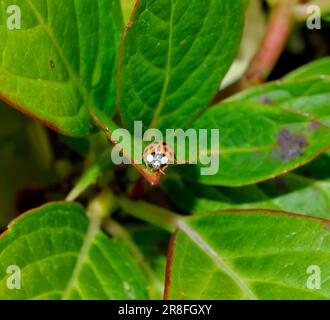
(161, 154)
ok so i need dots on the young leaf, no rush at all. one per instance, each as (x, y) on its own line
(258, 142)
(174, 56)
(61, 257)
(249, 255)
(61, 60)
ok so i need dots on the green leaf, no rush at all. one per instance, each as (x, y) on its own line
(62, 257)
(175, 54)
(249, 255)
(127, 7)
(91, 175)
(292, 193)
(258, 142)
(299, 194)
(310, 97)
(62, 60)
(109, 126)
(320, 67)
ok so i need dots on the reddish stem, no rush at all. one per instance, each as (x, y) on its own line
(274, 42)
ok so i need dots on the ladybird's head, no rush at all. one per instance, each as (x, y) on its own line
(156, 160)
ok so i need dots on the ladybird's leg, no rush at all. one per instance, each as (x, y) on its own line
(162, 171)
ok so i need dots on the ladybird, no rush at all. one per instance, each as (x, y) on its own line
(158, 156)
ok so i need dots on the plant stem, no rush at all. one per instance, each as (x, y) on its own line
(274, 42)
(91, 175)
(118, 232)
(160, 217)
(102, 206)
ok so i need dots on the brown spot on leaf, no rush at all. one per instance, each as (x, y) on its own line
(290, 146)
(183, 42)
(315, 125)
(266, 100)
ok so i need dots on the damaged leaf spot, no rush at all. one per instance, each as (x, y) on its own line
(316, 125)
(266, 100)
(290, 146)
(52, 64)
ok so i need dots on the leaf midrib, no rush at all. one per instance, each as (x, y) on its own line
(93, 228)
(168, 68)
(198, 239)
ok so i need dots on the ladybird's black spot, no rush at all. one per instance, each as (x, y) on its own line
(290, 146)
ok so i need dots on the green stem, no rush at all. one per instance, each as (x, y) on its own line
(160, 217)
(91, 175)
(118, 232)
(102, 206)
(40, 144)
